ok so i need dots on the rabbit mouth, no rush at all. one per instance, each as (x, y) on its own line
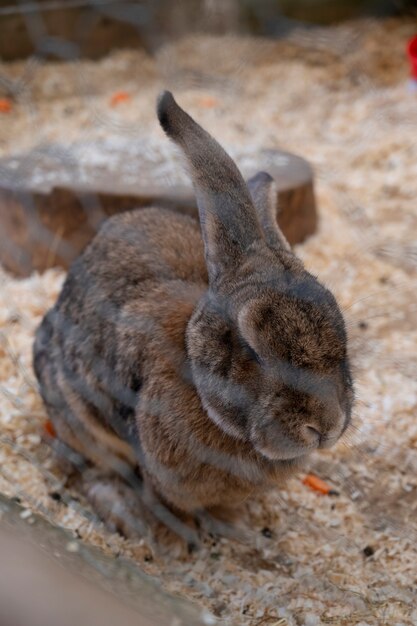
(283, 455)
(271, 441)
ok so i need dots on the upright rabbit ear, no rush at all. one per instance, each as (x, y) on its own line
(228, 219)
(264, 196)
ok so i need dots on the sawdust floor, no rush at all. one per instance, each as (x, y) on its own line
(341, 100)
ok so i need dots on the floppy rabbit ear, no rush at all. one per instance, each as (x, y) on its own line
(228, 219)
(263, 190)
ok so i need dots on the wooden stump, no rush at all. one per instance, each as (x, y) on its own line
(47, 215)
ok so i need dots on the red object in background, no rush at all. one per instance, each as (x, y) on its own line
(5, 105)
(412, 54)
(49, 429)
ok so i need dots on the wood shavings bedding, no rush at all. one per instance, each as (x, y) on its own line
(346, 560)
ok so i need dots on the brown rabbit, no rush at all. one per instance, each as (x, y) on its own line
(192, 371)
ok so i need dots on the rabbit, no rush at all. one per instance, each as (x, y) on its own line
(189, 365)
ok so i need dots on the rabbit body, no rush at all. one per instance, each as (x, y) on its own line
(111, 354)
(202, 356)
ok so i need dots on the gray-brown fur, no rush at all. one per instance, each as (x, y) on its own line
(207, 367)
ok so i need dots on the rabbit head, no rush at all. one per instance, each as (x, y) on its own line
(267, 342)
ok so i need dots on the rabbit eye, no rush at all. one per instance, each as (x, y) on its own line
(252, 354)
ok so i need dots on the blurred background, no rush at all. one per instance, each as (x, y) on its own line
(69, 29)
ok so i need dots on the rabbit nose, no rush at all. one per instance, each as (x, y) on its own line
(311, 434)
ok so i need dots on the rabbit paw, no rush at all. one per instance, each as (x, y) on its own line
(117, 505)
(135, 515)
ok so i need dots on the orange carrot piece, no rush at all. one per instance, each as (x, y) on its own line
(49, 429)
(208, 102)
(5, 105)
(317, 484)
(119, 97)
